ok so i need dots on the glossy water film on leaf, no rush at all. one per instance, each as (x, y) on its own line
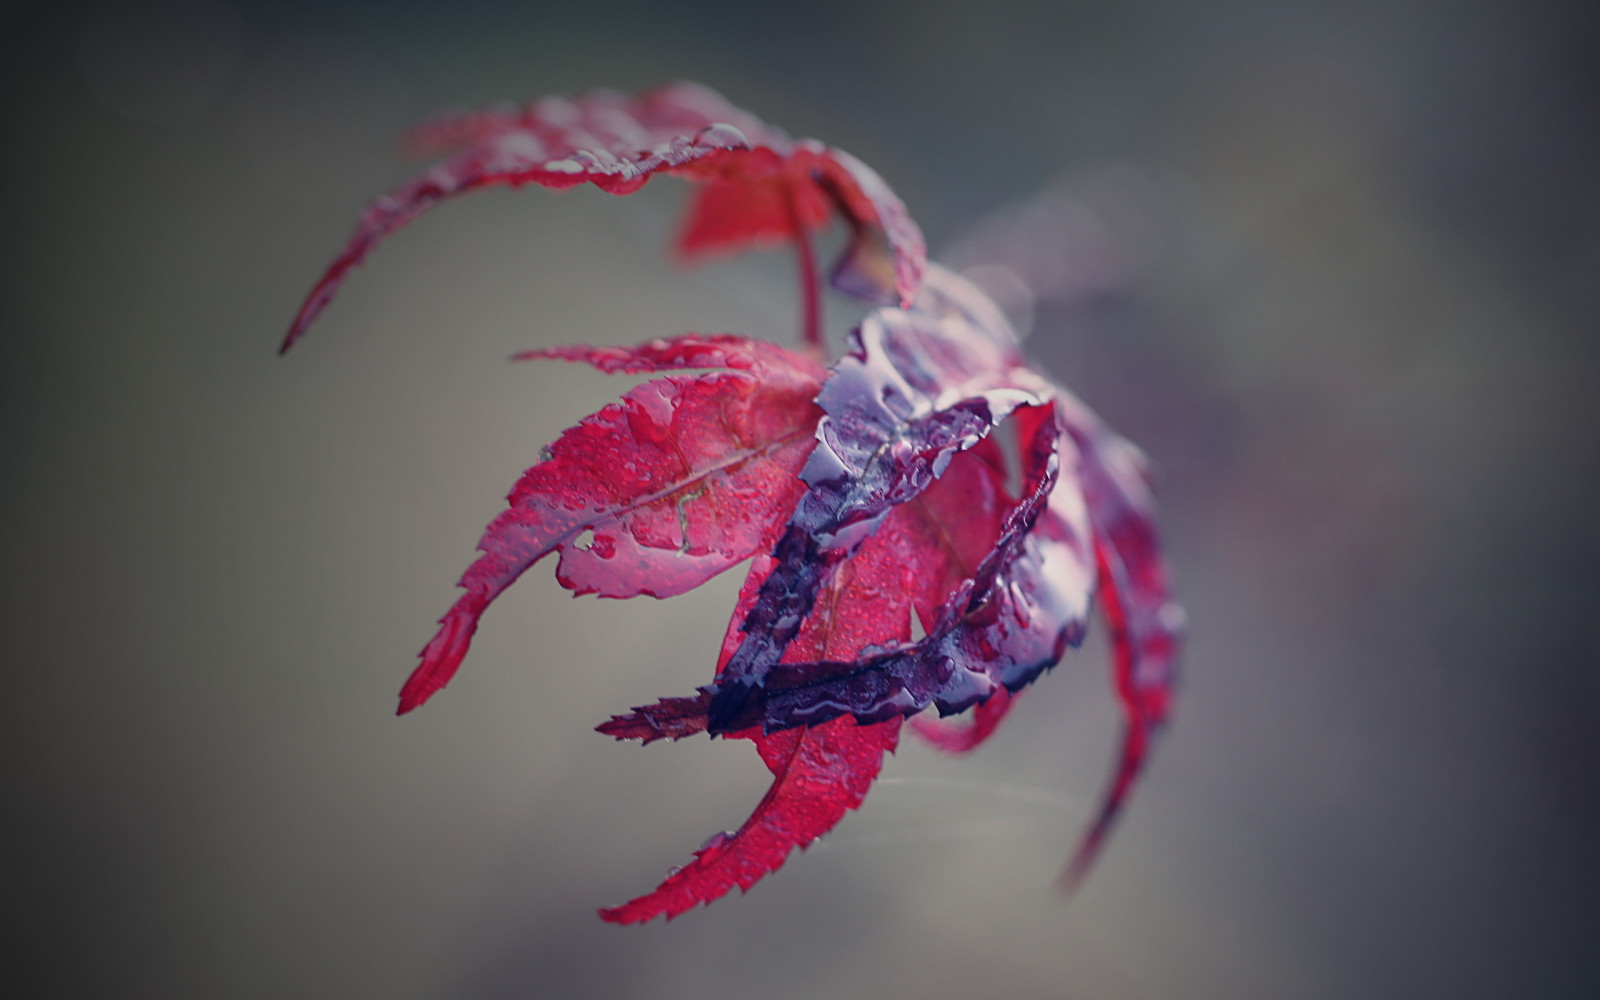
(866, 494)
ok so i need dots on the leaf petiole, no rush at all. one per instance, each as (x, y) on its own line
(810, 283)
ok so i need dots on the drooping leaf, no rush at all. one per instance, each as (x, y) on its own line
(617, 142)
(670, 484)
(1145, 621)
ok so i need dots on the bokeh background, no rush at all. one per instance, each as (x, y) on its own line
(1332, 266)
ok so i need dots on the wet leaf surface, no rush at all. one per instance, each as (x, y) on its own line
(867, 495)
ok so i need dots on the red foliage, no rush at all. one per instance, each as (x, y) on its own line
(668, 484)
(618, 142)
(867, 492)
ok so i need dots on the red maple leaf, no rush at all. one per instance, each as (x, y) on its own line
(866, 494)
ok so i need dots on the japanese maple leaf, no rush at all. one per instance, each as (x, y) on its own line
(758, 185)
(866, 494)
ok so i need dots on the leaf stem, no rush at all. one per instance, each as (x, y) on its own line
(810, 282)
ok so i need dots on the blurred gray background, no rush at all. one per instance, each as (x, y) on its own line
(1332, 266)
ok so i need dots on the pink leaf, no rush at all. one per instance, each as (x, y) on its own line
(1136, 599)
(617, 142)
(821, 773)
(669, 483)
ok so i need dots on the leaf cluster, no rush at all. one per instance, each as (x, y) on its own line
(869, 495)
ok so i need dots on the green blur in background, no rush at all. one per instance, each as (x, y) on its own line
(1336, 278)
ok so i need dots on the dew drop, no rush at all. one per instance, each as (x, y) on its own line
(716, 842)
(724, 135)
